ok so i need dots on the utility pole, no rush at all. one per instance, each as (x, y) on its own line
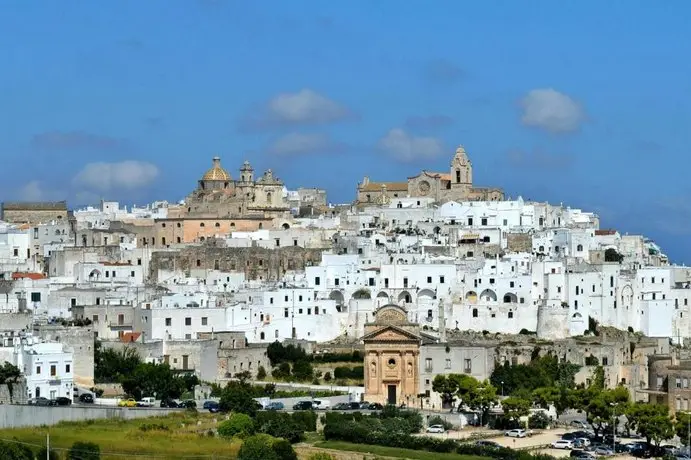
(47, 446)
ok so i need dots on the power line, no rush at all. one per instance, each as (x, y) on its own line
(119, 454)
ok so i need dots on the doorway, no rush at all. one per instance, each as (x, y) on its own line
(391, 397)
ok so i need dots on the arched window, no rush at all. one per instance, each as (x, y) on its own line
(541, 249)
(202, 224)
(579, 248)
(217, 225)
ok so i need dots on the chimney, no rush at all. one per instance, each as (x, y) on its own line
(442, 322)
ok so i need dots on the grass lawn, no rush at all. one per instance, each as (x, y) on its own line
(130, 437)
(393, 452)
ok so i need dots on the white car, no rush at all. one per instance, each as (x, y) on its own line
(562, 444)
(436, 429)
(517, 433)
(321, 404)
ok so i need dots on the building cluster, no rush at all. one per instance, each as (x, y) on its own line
(445, 268)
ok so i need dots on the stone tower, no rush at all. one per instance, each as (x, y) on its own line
(461, 170)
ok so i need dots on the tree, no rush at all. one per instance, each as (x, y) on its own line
(302, 370)
(149, 379)
(447, 387)
(9, 375)
(237, 425)
(652, 421)
(261, 373)
(612, 255)
(238, 397)
(110, 366)
(84, 451)
(482, 398)
(42, 454)
(14, 451)
(683, 427)
(515, 408)
(603, 406)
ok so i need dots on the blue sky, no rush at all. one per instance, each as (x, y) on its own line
(581, 102)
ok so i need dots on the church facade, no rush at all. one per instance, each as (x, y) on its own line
(456, 185)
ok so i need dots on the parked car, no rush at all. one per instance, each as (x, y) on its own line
(375, 406)
(146, 402)
(321, 404)
(516, 433)
(212, 406)
(488, 444)
(41, 401)
(86, 398)
(364, 405)
(562, 444)
(127, 403)
(436, 429)
(167, 402)
(603, 451)
(207, 404)
(579, 424)
(63, 401)
(341, 406)
(188, 404)
(276, 405)
(353, 406)
(303, 405)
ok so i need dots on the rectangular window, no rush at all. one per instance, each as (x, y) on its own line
(429, 279)
(428, 365)
(678, 382)
(205, 320)
(285, 299)
(316, 310)
(467, 366)
(285, 313)
(317, 281)
(132, 274)
(38, 369)
(605, 361)
(686, 383)
(169, 321)
(336, 281)
(188, 321)
(371, 281)
(299, 298)
(53, 370)
(447, 365)
(35, 296)
(441, 280)
(483, 221)
(67, 368)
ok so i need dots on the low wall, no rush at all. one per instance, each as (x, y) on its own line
(15, 416)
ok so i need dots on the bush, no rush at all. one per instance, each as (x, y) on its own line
(265, 447)
(327, 376)
(42, 453)
(307, 420)
(356, 372)
(261, 373)
(153, 427)
(257, 447)
(237, 425)
(437, 420)
(281, 425)
(539, 420)
(10, 451)
(84, 451)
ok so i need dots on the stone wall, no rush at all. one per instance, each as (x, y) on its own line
(256, 263)
(519, 242)
(18, 394)
(15, 416)
(15, 321)
(20, 213)
(232, 361)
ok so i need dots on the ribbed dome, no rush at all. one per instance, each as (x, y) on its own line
(216, 172)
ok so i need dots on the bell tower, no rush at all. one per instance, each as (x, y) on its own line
(461, 170)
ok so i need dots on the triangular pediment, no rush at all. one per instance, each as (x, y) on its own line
(391, 334)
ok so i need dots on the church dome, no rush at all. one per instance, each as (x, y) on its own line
(216, 172)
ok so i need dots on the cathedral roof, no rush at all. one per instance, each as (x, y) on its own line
(216, 172)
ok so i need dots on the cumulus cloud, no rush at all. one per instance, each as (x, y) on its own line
(125, 175)
(306, 107)
(301, 144)
(76, 140)
(405, 147)
(552, 111)
(32, 191)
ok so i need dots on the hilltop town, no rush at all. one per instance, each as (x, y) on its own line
(425, 276)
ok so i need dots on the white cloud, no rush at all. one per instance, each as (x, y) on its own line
(126, 175)
(551, 110)
(300, 144)
(32, 191)
(405, 147)
(305, 107)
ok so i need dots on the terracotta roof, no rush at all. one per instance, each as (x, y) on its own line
(129, 337)
(605, 232)
(30, 275)
(390, 186)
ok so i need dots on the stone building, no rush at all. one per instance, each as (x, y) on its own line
(669, 382)
(456, 185)
(392, 355)
(256, 263)
(34, 212)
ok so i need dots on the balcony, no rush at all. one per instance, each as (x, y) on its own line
(120, 324)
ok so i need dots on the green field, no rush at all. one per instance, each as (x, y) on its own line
(392, 452)
(143, 438)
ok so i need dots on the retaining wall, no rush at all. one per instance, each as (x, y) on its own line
(15, 416)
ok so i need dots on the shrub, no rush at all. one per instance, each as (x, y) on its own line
(153, 427)
(280, 425)
(261, 373)
(257, 447)
(84, 451)
(327, 376)
(43, 454)
(10, 451)
(539, 420)
(307, 420)
(237, 425)
(265, 447)
(437, 420)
